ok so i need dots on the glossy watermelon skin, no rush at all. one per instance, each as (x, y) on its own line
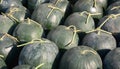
(7, 3)
(112, 59)
(2, 64)
(6, 24)
(112, 10)
(39, 53)
(88, 5)
(28, 30)
(102, 43)
(63, 37)
(24, 67)
(80, 22)
(41, 15)
(18, 12)
(81, 57)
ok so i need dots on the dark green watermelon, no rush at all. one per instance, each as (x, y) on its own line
(6, 24)
(2, 64)
(7, 42)
(23, 67)
(48, 15)
(114, 8)
(5, 4)
(17, 13)
(89, 6)
(28, 30)
(65, 37)
(102, 43)
(111, 23)
(40, 52)
(82, 21)
(65, 6)
(32, 4)
(112, 60)
(8, 49)
(81, 57)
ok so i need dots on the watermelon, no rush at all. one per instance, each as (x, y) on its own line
(81, 57)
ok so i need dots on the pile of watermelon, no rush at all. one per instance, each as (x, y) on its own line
(59, 34)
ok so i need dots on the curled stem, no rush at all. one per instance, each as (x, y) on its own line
(75, 32)
(87, 51)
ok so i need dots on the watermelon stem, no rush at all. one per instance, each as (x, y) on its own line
(31, 42)
(12, 17)
(75, 32)
(1, 1)
(53, 8)
(3, 14)
(57, 1)
(89, 15)
(1, 56)
(39, 66)
(95, 4)
(8, 36)
(116, 7)
(28, 20)
(99, 28)
(86, 51)
(11, 12)
(110, 16)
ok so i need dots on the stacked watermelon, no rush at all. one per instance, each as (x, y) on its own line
(59, 34)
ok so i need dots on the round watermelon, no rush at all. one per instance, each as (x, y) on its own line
(65, 37)
(28, 30)
(40, 52)
(81, 57)
(111, 60)
(48, 15)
